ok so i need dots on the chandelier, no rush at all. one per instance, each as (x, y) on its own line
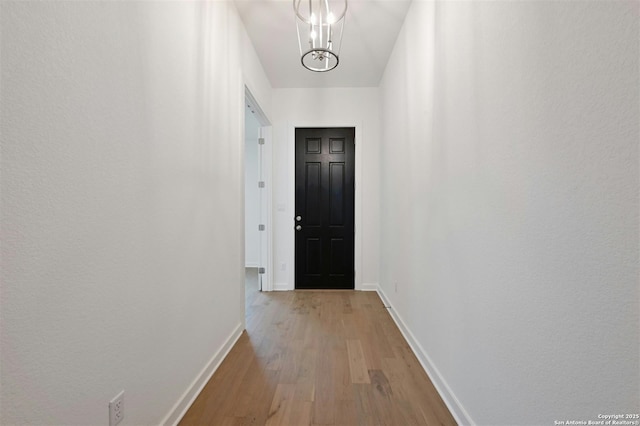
(320, 24)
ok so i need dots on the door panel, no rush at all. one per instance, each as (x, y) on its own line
(325, 202)
(313, 194)
(336, 194)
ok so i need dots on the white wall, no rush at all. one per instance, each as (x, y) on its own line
(327, 108)
(122, 207)
(251, 191)
(510, 205)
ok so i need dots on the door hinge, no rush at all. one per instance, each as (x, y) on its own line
(261, 227)
(261, 270)
(261, 184)
(260, 141)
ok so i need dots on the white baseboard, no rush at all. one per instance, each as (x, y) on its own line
(455, 407)
(386, 302)
(287, 287)
(369, 287)
(281, 287)
(180, 408)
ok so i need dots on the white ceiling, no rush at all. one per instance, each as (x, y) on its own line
(370, 32)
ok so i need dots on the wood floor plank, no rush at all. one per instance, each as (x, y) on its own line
(323, 410)
(342, 389)
(346, 412)
(319, 358)
(281, 406)
(259, 398)
(301, 414)
(357, 362)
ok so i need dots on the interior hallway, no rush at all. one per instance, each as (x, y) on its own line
(497, 181)
(318, 357)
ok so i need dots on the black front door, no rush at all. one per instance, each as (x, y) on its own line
(325, 204)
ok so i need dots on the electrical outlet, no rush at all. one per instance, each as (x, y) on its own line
(116, 409)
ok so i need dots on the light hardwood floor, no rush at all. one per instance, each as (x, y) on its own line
(319, 358)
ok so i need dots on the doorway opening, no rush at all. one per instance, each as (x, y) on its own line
(257, 199)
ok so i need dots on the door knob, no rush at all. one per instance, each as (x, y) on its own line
(298, 218)
(298, 228)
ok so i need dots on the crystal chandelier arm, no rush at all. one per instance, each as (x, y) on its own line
(342, 27)
(298, 33)
(327, 14)
(296, 8)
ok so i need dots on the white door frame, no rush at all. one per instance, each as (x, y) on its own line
(291, 165)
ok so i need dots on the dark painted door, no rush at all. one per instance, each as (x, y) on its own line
(325, 204)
